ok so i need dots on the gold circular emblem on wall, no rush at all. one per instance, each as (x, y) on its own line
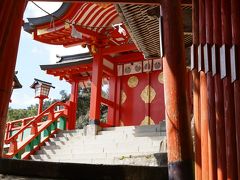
(133, 81)
(160, 77)
(147, 121)
(148, 94)
(123, 97)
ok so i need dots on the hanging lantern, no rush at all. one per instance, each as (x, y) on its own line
(42, 88)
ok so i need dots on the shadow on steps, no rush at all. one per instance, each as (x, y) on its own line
(52, 170)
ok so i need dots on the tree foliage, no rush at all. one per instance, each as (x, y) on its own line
(82, 108)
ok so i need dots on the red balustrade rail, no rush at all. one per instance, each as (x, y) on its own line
(27, 135)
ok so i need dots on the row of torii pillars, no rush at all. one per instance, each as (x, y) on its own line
(180, 156)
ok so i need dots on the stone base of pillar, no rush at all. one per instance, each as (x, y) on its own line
(92, 130)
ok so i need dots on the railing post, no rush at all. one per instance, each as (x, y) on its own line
(21, 135)
(13, 146)
(8, 131)
(51, 114)
(34, 128)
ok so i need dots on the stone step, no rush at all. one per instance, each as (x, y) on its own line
(58, 143)
(64, 139)
(101, 149)
(159, 159)
(137, 140)
(132, 145)
(139, 129)
(94, 154)
(111, 135)
(95, 144)
(72, 133)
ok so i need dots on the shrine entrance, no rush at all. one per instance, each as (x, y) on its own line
(144, 91)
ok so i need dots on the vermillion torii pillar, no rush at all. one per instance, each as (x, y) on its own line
(178, 124)
(11, 14)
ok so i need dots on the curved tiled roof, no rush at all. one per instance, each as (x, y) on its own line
(69, 61)
(33, 22)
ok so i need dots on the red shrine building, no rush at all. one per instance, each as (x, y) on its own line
(175, 60)
(133, 79)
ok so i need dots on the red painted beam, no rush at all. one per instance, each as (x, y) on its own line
(107, 102)
(119, 49)
(126, 58)
(70, 70)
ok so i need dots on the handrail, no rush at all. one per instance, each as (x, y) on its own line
(7, 141)
(23, 144)
(21, 120)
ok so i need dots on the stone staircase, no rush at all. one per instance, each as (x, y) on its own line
(130, 145)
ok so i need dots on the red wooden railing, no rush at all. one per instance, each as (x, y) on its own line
(27, 135)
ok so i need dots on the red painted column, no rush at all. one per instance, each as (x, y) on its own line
(40, 105)
(235, 16)
(71, 123)
(8, 53)
(178, 125)
(203, 96)
(196, 93)
(229, 117)
(219, 103)
(111, 119)
(96, 87)
(211, 96)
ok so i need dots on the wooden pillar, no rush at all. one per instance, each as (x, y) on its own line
(203, 94)
(71, 123)
(229, 117)
(96, 88)
(196, 93)
(40, 105)
(178, 125)
(210, 89)
(8, 53)
(219, 103)
(111, 119)
(235, 16)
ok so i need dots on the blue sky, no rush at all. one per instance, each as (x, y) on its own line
(31, 54)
